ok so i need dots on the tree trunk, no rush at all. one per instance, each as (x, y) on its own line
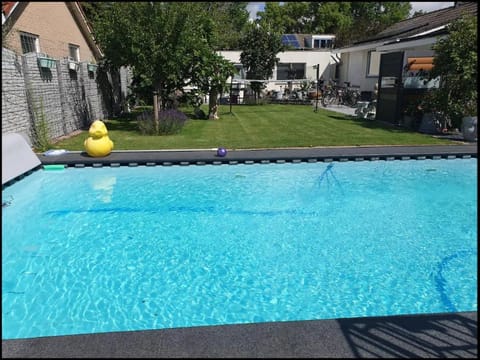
(157, 104)
(213, 105)
(155, 111)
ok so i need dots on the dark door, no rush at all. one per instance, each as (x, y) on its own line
(390, 87)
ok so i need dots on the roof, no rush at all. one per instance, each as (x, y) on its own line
(302, 41)
(7, 7)
(429, 24)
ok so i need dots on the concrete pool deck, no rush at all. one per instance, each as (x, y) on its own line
(448, 335)
(451, 335)
(209, 156)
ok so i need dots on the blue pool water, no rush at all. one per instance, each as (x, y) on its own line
(115, 249)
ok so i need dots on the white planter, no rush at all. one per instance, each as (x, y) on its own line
(73, 66)
(469, 128)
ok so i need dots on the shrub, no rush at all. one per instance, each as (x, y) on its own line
(40, 131)
(169, 122)
(455, 63)
(199, 113)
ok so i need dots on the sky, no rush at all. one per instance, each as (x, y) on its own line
(253, 7)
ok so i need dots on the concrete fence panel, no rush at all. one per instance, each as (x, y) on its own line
(67, 97)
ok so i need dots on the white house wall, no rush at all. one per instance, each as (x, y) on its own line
(353, 68)
(357, 67)
(354, 63)
(310, 58)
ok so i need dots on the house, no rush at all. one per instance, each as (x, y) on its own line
(59, 29)
(48, 79)
(360, 61)
(308, 57)
(308, 41)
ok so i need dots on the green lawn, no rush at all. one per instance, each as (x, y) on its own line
(261, 126)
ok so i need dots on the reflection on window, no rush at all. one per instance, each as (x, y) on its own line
(323, 42)
(373, 63)
(416, 73)
(420, 81)
(291, 71)
(74, 52)
(240, 74)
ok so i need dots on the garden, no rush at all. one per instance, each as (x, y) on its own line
(253, 127)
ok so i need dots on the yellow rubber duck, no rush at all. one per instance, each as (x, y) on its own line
(98, 144)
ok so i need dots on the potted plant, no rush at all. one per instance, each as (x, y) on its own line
(455, 64)
(412, 113)
(469, 122)
(92, 65)
(45, 61)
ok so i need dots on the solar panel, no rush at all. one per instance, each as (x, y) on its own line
(290, 40)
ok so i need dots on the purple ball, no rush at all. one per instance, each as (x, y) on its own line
(221, 152)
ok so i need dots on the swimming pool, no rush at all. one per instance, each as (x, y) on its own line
(114, 249)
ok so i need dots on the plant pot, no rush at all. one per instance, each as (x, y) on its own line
(469, 128)
(92, 67)
(45, 62)
(428, 124)
(73, 66)
(408, 121)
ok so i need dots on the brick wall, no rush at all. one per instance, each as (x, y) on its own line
(55, 27)
(71, 100)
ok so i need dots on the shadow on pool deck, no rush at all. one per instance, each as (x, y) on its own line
(451, 335)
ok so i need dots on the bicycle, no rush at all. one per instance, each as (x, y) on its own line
(351, 95)
(329, 94)
(340, 95)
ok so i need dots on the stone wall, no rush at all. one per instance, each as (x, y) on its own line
(15, 116)
(69, 99)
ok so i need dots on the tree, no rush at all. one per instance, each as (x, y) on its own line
(210, 76)
(229, 20)
(349, 21)
(290, 17)
(260, 46)
(160, 41)
(455, 62)
(370, 18)
(155, 39)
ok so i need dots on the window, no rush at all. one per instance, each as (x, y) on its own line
(241, 72)
(328, 43)
(290, 71)
(373, 63)
(29, 43)
(416, 73)
(323, 43)
(74, 52)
